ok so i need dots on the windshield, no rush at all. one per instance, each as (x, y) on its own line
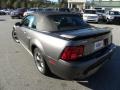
(101, 11)
(64, 10)
(49, 9)
(35, 10)
(21, 10)
(114, 13)
(90, 11)
(40, 9)
(68, 22)
(32, 9)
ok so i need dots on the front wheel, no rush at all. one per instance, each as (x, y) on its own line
(14, 36)
(40, 62)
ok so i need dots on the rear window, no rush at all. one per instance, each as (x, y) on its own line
(68, 22)
(32, 9)
(101, 11)
(64, 10)
(21, 10)
(49, 9)
(90, 11)
(114, 13)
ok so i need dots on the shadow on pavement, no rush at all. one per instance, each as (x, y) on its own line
(51, 75)
(2, 20)
(108, 77)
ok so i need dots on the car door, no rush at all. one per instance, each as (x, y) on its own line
(28, 30)
(20, 29)
(22, 32)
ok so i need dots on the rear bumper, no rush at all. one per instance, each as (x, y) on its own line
(91, 20)
(115, 20)
(83, 68)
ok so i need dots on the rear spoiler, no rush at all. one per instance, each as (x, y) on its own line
(80, 37)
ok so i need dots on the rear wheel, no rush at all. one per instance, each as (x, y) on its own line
(14, 36)
(40, 62)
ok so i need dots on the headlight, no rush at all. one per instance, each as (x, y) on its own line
(111, 17)
(85, 17)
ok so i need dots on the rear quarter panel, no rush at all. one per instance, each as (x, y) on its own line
(53, 46)
(50, 46)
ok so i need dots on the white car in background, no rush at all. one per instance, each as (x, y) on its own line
(31, 11)
(115, 9)
(112, 17)
(90, 15)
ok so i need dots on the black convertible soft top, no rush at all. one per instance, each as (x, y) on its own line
(47, 13)
(58, 21)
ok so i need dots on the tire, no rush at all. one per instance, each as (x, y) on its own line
(97, 22)
(107, 21)
(14, 36)
(20, 17)
(40, 62)
(12, 17)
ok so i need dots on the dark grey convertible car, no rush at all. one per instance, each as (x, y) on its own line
(64, 44)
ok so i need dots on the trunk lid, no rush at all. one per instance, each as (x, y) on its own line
(82, 33)
(91, 38)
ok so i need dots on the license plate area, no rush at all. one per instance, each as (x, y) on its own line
(91, 17)
(98, 45)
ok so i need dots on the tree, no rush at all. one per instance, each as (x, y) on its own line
(29, 5)
(3, 4)
(0, 3)
(8, 3)
(22, 5)
(35, 4)
(16, 4)
(63, 3)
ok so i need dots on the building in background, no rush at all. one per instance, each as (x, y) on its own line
(107, 3)
(80, 4)
(60, 1)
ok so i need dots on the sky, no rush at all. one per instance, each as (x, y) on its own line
(54, 0)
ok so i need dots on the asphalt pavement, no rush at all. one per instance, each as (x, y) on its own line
(18, 70)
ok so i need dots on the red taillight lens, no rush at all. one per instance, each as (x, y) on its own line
(71, 53)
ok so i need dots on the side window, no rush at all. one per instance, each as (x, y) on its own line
(26, 21)
(107, 13)
(32, 22)
(29, 21)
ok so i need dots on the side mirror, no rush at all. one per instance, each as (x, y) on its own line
(18, 24)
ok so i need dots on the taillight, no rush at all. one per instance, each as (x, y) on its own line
(72, 53)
